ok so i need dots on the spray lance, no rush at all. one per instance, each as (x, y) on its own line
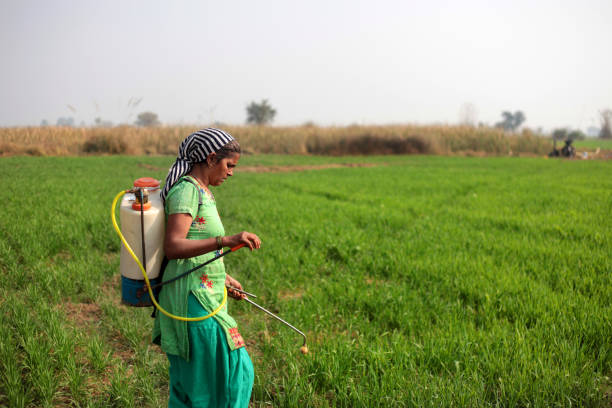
(304, 348)
(144, 209)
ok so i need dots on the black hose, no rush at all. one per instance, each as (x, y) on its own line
(144, 253)
(189, 271)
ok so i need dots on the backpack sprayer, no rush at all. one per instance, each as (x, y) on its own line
(142, 218)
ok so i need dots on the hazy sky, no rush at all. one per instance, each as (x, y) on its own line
(329, 62)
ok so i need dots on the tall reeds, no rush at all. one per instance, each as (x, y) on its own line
(347, 140)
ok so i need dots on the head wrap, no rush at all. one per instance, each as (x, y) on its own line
(195, 149)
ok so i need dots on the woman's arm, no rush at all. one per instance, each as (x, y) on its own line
(177, 246)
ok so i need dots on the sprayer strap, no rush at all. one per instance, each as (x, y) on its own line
(200, 198)
(195, 268)
(158, 287)
(200, 202)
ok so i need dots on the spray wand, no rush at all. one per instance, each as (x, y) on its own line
(304, 348)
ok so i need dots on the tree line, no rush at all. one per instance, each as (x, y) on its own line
(262, 113)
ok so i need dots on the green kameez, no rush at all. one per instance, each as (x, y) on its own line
(209, 365)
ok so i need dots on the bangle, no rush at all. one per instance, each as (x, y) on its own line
(219, 242)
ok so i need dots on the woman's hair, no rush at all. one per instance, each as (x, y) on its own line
(227, 150)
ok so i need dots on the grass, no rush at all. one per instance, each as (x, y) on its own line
(419, 281)
(592, 144)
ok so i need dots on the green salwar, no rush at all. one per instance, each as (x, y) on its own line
(214, 376)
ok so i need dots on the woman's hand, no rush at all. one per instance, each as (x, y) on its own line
(248, 238)
(229, 281)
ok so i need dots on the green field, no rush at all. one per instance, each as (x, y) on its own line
(419, 281)
(593, 144)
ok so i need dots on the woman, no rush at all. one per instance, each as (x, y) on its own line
(209, 365)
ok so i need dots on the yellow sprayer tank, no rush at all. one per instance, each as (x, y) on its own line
(132, 281)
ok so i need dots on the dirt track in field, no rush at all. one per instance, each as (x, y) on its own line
(285, 169)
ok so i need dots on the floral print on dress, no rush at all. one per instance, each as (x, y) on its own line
(199, 223)
(236, 337)
(205, 282)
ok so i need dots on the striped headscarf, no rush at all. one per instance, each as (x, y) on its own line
(194, 149)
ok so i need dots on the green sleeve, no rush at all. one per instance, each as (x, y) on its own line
(183, 198)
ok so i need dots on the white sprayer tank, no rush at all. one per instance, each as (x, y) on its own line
(154, 230)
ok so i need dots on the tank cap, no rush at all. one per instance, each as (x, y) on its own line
(146, 182)
(136, 206)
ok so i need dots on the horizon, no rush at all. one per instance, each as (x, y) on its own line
(195, 126)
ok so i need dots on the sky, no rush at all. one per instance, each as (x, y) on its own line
(332, 63)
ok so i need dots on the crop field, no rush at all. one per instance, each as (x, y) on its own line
(593, 144)
(420, 281)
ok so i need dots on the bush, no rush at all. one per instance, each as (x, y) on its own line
(371, 144)
(147, 119)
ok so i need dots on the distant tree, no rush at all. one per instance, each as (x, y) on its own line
(519, 118)
(99, 122)
(260, 113)
(507, 122)
(576, 135)
(147, 119)
(510, 121)
(65, 121)
(606, 124)
(559, 134)
(44, 122)
(566, 134)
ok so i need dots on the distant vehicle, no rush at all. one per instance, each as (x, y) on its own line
(568, 150)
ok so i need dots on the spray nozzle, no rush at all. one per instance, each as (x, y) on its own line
(142, 198)
(141, 194)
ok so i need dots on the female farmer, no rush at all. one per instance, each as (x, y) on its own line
(209, 366)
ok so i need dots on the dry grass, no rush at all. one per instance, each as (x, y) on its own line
(349, 140)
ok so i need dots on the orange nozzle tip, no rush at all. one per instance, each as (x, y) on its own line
(237, 247)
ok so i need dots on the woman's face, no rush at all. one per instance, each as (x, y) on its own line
(223, 169)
